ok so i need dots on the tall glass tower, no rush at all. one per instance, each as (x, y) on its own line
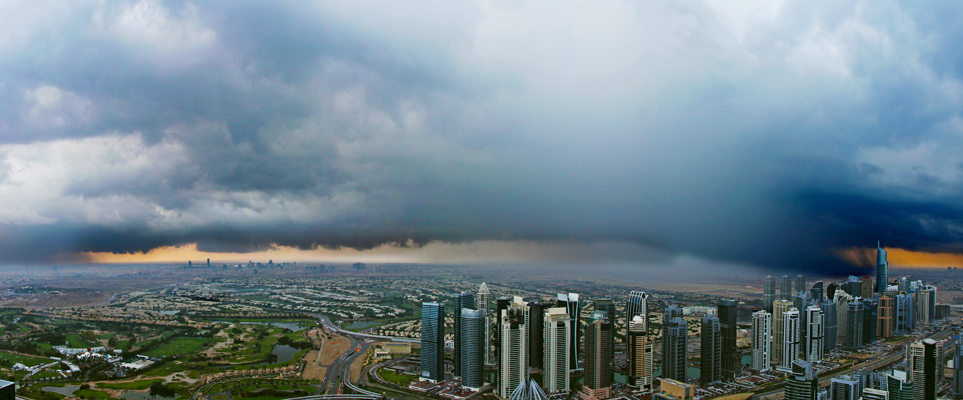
(433, 341)
(636, 305)
(731, 360)
(571, 303)
(472, 348)
(674, 346)
(768, 293)
(484, 302)
(785, 288)
(882, 270)
(463, 300)
(711, 368)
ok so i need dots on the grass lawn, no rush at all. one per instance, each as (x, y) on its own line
(181, 345)
(394, 377)
(135, 385)
(29, 361)
(74, 340)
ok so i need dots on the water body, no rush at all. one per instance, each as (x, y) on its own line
(67, 390)
(294, 326)
(170, 312)
(284, 352)
(134, 395)
(360, 325)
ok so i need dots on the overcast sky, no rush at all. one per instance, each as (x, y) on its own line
(765, 133)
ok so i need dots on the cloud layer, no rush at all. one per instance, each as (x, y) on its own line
(772, 134)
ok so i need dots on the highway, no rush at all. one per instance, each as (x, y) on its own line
(338, 373)
(875, 363)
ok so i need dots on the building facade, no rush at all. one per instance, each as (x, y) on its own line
(761, 340)
(557, 352)
(674, 346)
(639, 355)
(790, 340)
(711, 364)
(472, 348)
(463, 300)
(433, 342)
(779, 308)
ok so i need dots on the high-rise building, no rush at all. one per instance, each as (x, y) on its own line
(921, 360)
(8, 390)
(637, 305)
(513, 351)
(802, 382)
(557, 352)
(711, 370)
(670, 313)
(899, 386)
(768, 293)
(829, 323)
(731, 359)
(433, 341)
(608, 307)
(779, 308)
(790, 341)
(536, 346)
(844, 387)
(501, 303)
(882, 270)
(639, 355)
(816, 292)
(674, 346)
(463, 300)
(571, 303)
(854, 325)
(484, 302)
(922, 308)
(866, 284)
(931, 302)
(958, 366)
(814, 334)
(472, 348)
(903, 303)
(884, 323)
(761, 340)
(870, 318)
(875, 394)
(598, 361)
(801, 285)
(842, 317)
(785, 288)
(853, 286)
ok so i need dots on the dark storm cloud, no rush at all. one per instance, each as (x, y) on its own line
(770, 136)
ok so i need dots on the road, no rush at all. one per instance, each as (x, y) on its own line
(340, 369)
(876, 363)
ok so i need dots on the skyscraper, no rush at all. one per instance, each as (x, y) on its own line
(761, 340)
(801, 283)
(536, 347)
(814, 334)
(557, 352)
(785, 288)
(854, 325)
(639, 355)
(461, 301)
(921, 360)
(484, 302)
(711, 370)
(608, 307)
(768, 293)
(853, 286)
(433, 341)
(829, 323)
(674, 346)
(637, 305)
(882, 270)
(866, 286)
(472, 348)
(731, 359)
(598, 361)
(842, 317)
(958, 366)
(922, 308)
(571, 303)
(670, 313)
(903, 303)
(817, 292)
(899, 386)
(790, 341)
(844, 387)
(870, 318)
(802, 382)
(884, 312)
(779, 308)
(513, 351)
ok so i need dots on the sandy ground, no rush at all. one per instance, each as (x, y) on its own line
(358, 365)
(331, 349)
(334, 348)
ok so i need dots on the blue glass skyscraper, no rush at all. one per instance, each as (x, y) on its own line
(433, 341)
(472, 348)
(462, 300)
(882, 270)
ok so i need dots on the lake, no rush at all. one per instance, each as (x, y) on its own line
(135, 395)
(67, 390)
